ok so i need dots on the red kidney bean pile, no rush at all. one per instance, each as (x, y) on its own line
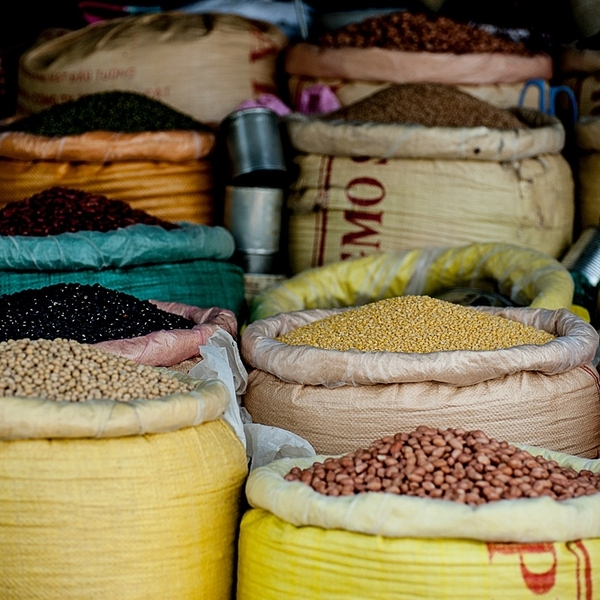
(58, 210)
(449, 464)
(84, 313)
(417, 32)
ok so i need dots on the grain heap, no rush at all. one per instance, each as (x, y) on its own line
(450, 464)
(118, 111)
(84, 313)
(59, 210)
(414, 324)
(65, 370)
(417, 32)
(428, 104)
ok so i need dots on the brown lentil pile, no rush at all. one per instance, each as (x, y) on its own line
(449, 464)
(418, 32)
(414, 324)
(428, 104)
(65, 370)
(58, 210)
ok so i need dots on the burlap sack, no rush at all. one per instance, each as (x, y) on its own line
(442, 187)
(347, 91)
(201, 64)
(587, 133)
(105, 499)
(580, 70)
(540, 395)
(169, 174)
(395, 66)
(296, 543)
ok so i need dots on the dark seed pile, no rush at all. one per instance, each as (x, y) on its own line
(85, 313)
(126, 112)
(61, 210)
(429, 104)
(417, 32)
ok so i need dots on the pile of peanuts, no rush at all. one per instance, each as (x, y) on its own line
(65, 370)
(449, 464)
(414, 324)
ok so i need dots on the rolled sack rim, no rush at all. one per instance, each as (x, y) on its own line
(575, 346)
(528, 520)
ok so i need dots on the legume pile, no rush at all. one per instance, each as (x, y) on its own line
(414, 324)
(429, 104)
(418, 32)
(65, 370)
(449, 464)
(126, 112)
(59, 210)
(84, 313)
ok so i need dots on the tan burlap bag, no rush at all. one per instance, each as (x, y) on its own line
(588, 171)
(539, 395)
(201, 64)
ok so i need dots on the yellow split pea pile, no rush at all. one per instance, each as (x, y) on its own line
(63, 369)
(414, 324)
(449, 464)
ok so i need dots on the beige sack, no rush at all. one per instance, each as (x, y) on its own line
(588, 171)
(203, 65)
(395, 66)
(539, 395)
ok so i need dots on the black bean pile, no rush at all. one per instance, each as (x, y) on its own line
(85, 313)
(429, 104)
(58, 210)
(418, 32)
(119, 111)
(463, 466)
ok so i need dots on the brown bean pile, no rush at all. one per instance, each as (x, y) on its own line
(428, 104)
(65, 370)
(417, 32)
(449, 464)
(414, 324)
(58, 210)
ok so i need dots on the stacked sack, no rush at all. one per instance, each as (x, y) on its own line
(400, 47)
(421, 164)
(119, 144)
(203, 65)
(341, 399)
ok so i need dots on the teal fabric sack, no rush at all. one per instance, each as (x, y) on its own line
(188, 265)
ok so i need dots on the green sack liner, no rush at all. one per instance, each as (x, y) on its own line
(128, 246)
(201, 283)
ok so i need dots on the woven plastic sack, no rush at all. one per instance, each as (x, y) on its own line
(188, 265)
(169, 174)
(104, 499)
(340, 401)
(587, 133)
(296, 543)
(526, 277)
(203, 65)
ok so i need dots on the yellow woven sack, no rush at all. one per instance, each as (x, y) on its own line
(527, 277)
(104, 499)
(300, 545)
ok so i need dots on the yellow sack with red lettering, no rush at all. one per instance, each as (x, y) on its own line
(298, 544)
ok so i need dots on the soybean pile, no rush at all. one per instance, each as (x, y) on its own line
(414, 324)
(57, 210)
(84, 313)
(64, 370)
(458, 465)
(118, 111)
(427, 104)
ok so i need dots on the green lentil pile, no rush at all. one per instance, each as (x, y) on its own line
(429, 104)
(125, 112)
(65, 370)
(414, 324)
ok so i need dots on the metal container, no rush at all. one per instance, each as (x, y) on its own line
(583, 256)
(253, 141)
(253, 216)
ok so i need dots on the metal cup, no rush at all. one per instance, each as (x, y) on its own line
(253, 141)
(253, 216)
